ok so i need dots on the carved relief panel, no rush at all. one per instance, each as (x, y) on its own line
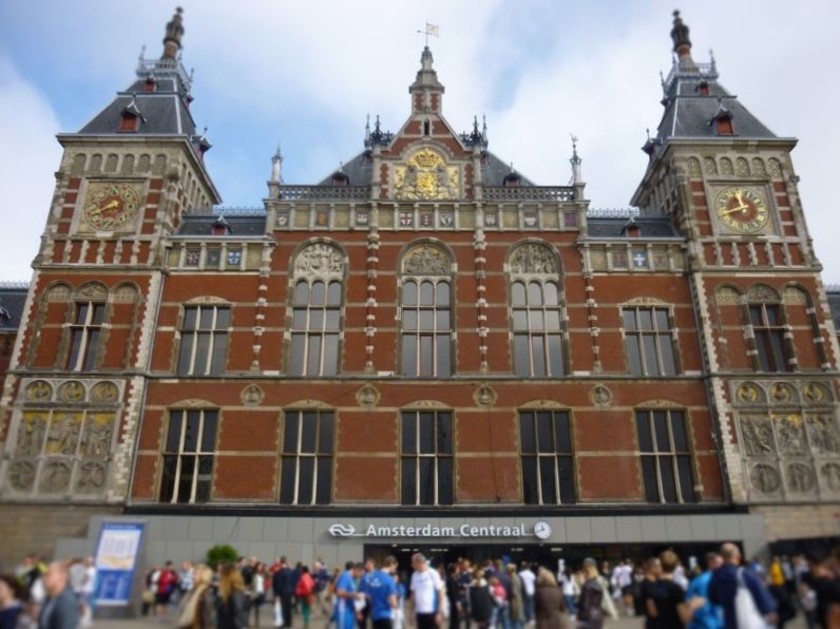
(426, 176)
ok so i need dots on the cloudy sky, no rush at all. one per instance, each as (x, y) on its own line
(306, 74)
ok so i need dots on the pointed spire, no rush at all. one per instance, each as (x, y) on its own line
(277, 166)
(575, 161)
(367, 131)
(679, 34)
(174, 32)
(426, 59)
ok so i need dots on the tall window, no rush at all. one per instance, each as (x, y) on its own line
(648, 341)
(548, 466)
(426, 328)
(426, 466)
(537, 340)
(204, 340)
(308, 446)
(188, 456)
(85, 333)
(666, 456)
(316, 323)
(769, 334)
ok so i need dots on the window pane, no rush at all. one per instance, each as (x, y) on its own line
(316, 320)
(660, 429)
(562, 433)
(301, 294)
(527, 438)
(334, 294)
(651, 361)
(529, 480)
(323, 491)
(98, 314)
(555, 355)
(298, 352)
(772, 314)
(643, 428)
(313, 356)
(666, 349)
(520, 319)
(535, 320)
(409, 355)
(427, 320)
(290, 433)
(288, 480)
(517, 294)
(410, 294)
(173, 441)
(442, 293)
(550, 292)
(90, 350)
(776, 345)
(330, 367)
(306, 480)
(552, 320)
(629, 317)
(167, 484)
(75, 345)
(545, 440)
(427, 481)
(82, 313)
(208, 435)
(651, 483)
(444, 436)
(538, 352)
(408, 482)
(319, 294)
(444, 481)
(444, 363)
(427, 294)
(686, 483)
(662, 319)
(535, 295)
(426, 356)
(634, 355)
(442, 319)
(308, 432)
(220, 343)
(333, 320)
(755, 315)
(409, 433)
(547, 481)
(191, 434)
(299, 319)
(669, 483)
(206, 318)
(202, 353)
(521, 355)
(567, 479)
(205, 479)
(645, 319)
(325, 433)
(678, 431)
(190, 316)
(427, 433)
(185, 481)
(222, 318)
(409, 319)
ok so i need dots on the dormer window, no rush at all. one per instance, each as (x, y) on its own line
(129, 122)
(220, 227)
(722, 120)
(427, 128)
(150, 85)
(512, 180)
(631, 229)
(703, 88)
(724, 127)
(340, 179)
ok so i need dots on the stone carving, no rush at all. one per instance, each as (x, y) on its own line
(104, 393)
(30, 438)
(533, 259)
(830, 473)
(793, 296)
(750, 393)
(368, 396)
(426, 260)
(726, 166)
(425, 176)
(55, 476)
(320, 260)
(742, 167)
(782, 393)
(694, 167)
(484, 396)
(765, 478)
(822, 432)
(814, 393)
(710, 166)
(761, 292)
(727, 296)
(73, 391)
(64, 433)
(93, 292)
(58, 294)
(38, 391)
(758, 167)
(790, 434)
(774, 167)
(601, 395)
(800, 477)
(97, 438)
(252, 395)
(22, 475)
(91, 477)
(758, 436)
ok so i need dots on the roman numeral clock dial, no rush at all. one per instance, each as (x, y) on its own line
(741, 210)
(109, 206)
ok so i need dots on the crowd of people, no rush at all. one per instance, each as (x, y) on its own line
(724, 592)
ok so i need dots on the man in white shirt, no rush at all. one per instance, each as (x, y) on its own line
(528, 588)
(427, 592)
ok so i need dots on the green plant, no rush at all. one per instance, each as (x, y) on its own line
(221, 553)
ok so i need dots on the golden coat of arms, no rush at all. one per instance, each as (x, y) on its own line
(425, 176)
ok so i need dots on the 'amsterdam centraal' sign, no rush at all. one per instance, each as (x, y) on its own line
(541, 530)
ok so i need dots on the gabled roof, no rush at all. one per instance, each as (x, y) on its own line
(12, 303)
(163, 113)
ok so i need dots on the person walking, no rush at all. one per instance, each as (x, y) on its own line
(304, 592)
(728, 579)
(593, 593)
(427, 593)
(380, 590)
(549, 603)
(198, 605)
(232, 609)
(11, 605)
(61, 609)
(704, 615)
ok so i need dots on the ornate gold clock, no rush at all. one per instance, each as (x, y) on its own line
(109, 206)
(741, 209)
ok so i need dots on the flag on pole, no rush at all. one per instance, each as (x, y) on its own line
(432, 29)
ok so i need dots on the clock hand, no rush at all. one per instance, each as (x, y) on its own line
(741, 208)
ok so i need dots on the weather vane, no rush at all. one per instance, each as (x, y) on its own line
(432, 30)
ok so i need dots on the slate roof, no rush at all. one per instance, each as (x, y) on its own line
(833, 294)
(615, 227)
(12, 302)
(243, 226)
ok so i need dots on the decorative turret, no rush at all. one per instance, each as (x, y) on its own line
(277, 167)
(426, 91)
(174, 32)
(682, 44)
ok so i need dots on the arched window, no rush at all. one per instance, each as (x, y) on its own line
(426, 313)
(766, 320)
(89, 313)
(536, 312)
(317, 300)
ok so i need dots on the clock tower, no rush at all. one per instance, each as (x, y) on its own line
(71, 401)
(729, 185)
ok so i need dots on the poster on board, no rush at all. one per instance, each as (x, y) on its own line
(117, 551)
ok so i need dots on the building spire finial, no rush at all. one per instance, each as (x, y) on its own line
(276, 166)
(575, 161)
(174, 32)
(679, 35)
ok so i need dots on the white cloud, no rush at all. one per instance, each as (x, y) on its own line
(29, 155)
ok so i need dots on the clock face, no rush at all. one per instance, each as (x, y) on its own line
(741, 209)
(109, 206)
(542, 529)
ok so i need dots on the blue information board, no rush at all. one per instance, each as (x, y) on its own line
(116, 561)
